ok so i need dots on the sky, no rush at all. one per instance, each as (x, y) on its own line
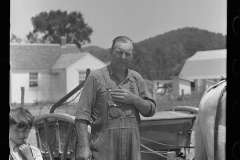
(137, 19)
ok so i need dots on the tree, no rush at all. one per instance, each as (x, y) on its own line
(169, 51)
(15, 39)
(55, 24)
(141, 63)
(33, 38)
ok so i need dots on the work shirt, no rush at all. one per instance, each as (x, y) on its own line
(15, 155)
(115, 125)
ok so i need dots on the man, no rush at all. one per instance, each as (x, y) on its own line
(20, 124)
(112, 99)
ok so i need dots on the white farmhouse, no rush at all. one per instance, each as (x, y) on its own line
(47, 72)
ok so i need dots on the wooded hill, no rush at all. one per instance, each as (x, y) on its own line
(163, 56)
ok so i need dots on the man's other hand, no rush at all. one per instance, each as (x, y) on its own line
(83, 153)
(123, 95)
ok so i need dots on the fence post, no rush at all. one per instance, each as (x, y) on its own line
(182, 93)
(22, 96)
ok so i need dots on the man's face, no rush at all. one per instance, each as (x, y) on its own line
(122, 55)
(18, 135)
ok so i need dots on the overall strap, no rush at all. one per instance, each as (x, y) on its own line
(103, 70)
(97, 108)
(131, 88)
(131, 85)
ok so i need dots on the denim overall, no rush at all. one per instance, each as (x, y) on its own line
(115, 134)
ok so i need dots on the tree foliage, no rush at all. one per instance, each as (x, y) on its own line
(33, 38)
(51, 26)
(163, 56)
(15, 39)
(169, 51)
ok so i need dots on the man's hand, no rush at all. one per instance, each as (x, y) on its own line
(83, 149)
(123, 95)
(26, 151)
(83, 153)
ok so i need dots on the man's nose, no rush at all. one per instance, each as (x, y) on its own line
(124, 56)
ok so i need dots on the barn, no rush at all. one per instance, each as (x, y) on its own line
(205, 68)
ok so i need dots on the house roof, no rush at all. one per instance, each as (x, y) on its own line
(183, 78)
(39, 56)
(162, 81)
(67, 59)
(205, 65)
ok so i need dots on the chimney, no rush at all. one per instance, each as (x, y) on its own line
(63, 41)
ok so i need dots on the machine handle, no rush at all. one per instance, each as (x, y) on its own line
(62, 100)
(192, 110)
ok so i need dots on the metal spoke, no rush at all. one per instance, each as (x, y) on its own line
(49, 146)
(68, 137)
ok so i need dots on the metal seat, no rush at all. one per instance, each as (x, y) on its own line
(56, 136)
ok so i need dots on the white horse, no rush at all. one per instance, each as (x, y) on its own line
(210, 129)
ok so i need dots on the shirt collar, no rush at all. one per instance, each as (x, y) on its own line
(110, 69)
(112, 72)
(12, 144)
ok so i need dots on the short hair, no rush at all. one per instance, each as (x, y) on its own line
(123, 39)
(21, 117)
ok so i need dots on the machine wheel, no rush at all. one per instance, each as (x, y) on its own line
(56, 136)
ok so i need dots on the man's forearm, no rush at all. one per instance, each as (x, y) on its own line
(143, 106)
(82, 132)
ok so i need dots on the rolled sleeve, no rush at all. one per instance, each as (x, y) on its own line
(87, 99)
(153, 109)
(145, 94)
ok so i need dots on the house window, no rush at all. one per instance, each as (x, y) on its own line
(33, 79)
(82, 75)
(193, 86)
